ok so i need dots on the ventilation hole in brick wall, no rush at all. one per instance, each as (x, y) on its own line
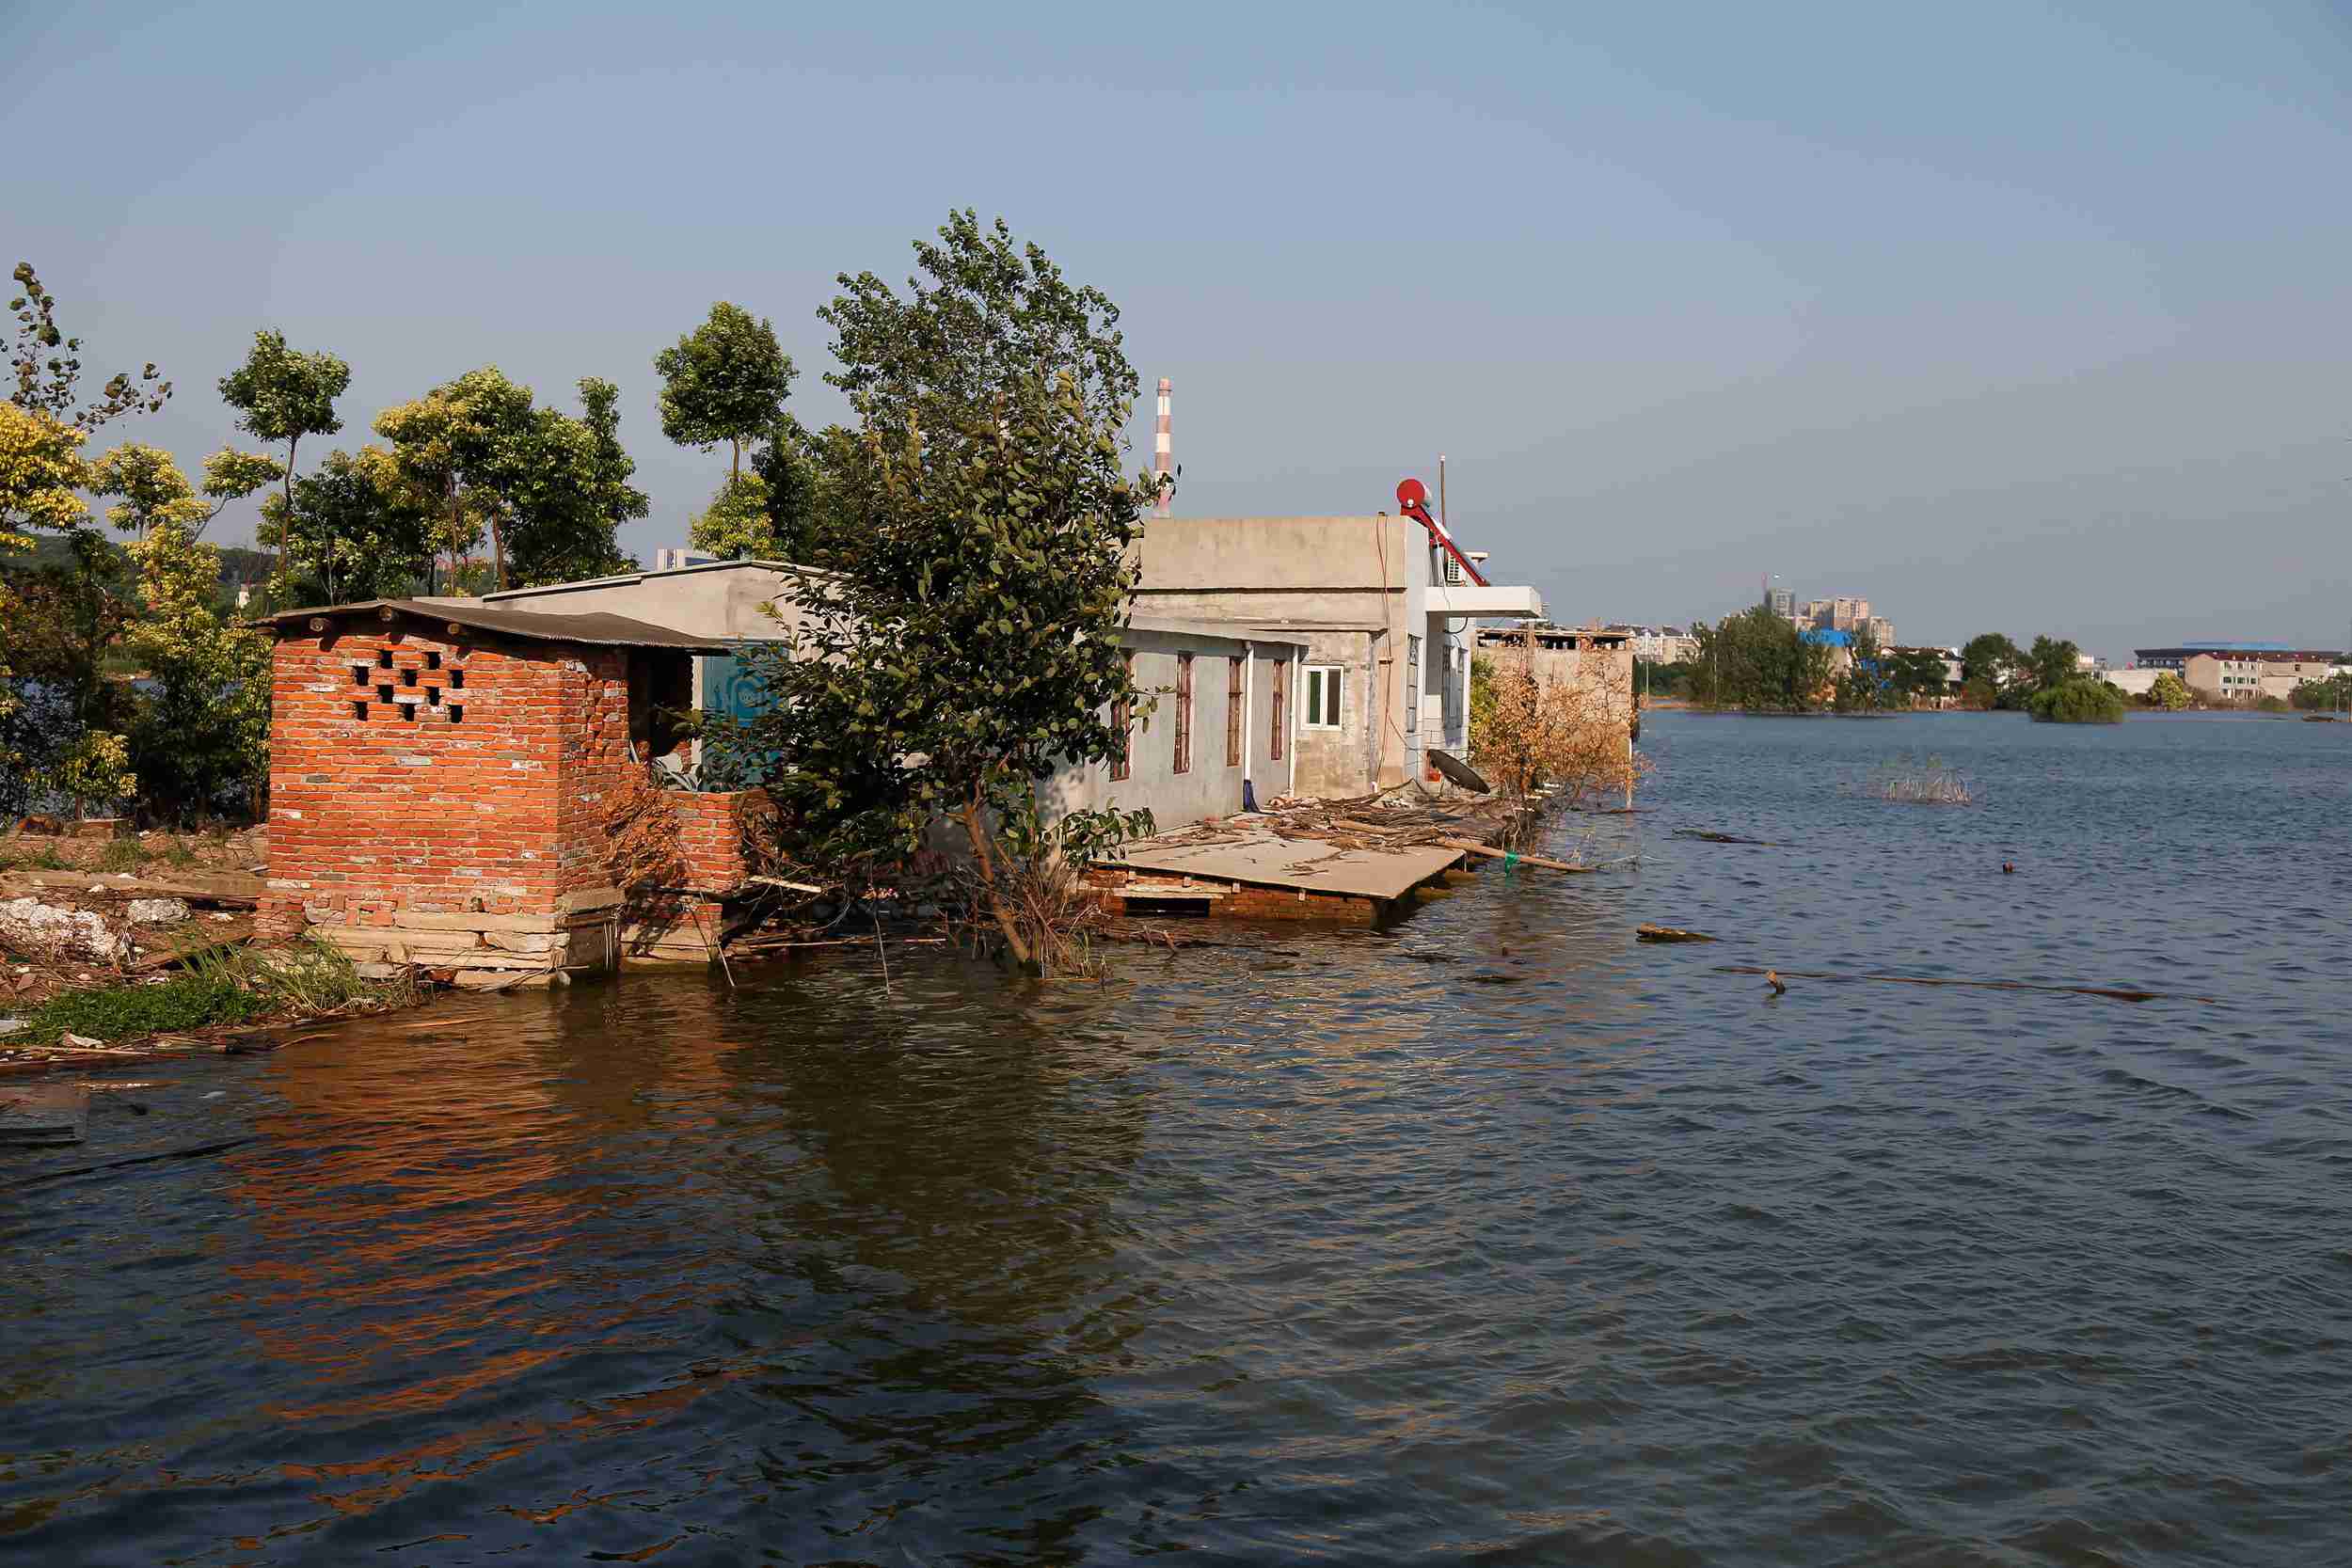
(383, 694)
(383, 658)
(409, 677)
(358, 674)
(457, 680)
(432, 695)
(457, 713)
(359, 710)
(433, 658)
(408, 712)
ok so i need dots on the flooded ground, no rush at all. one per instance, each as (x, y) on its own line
(1494, 1238)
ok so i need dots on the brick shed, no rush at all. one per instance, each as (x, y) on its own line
(445, 778)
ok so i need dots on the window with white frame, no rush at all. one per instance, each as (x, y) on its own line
(1327, 696)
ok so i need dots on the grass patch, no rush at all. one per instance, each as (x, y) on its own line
(196, 1000)
(44, 859)
(1922, 782)
(303, 981)
(121, 854)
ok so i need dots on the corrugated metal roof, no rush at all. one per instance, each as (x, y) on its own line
(597, 630)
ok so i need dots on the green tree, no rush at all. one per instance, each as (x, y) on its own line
(792, 506)
(2169, 692)
(282, 394)
(1868, 683)
(810, 518)
(1919, 673)
(2077, 699)
(1990, 660)
(735, 524)
(2052, 661)
(972, 647)
(991, 310)
(200, 735)
(550, 490)
(48, 365)
(357, 529)
(723, 382)
(150, 491)
(612, 498)
(67, 607)
(1756, 660)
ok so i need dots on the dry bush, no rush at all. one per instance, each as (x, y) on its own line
(1570, 736)
(1923, 782)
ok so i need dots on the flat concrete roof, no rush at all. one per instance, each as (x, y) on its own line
(1247, 849)
(1223, 631)
(623, 579)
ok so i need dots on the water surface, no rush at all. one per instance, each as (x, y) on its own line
(1493, 1237)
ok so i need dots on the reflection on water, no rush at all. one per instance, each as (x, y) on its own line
(1493, 1236)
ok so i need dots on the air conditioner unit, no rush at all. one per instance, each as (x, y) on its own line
(1454, 570)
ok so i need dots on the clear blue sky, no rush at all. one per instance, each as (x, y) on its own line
(2028, 318)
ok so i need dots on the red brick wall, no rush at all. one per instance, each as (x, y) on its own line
(485, 799)
(495, 796)
(711, 837)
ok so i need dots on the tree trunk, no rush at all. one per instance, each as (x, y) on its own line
(285, 524)
(978, 833)
(735, 464)
(453, 546)
(498, 553)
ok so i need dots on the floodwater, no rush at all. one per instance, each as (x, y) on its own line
(1494, 1238)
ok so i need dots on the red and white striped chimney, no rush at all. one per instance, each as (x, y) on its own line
(1163, 453)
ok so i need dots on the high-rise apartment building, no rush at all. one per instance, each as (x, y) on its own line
(1781, 601)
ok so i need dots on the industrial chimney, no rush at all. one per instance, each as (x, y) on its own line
(1162, 453)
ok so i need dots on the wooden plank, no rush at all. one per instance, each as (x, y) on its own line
(1468, 848)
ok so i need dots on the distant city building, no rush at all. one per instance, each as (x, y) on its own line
(2278, 658)
(1882, 630)
(1657, 644)
(1781, 602)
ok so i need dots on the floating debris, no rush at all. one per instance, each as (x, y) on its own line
(1668, 933)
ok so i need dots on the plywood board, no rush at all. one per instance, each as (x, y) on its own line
(1243, 850)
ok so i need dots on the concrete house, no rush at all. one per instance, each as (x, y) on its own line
(1220, 716)
(1384, 610)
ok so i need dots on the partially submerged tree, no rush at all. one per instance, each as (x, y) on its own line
(1527, 731)
(970, 647)
(725, 382)
(2077, 699)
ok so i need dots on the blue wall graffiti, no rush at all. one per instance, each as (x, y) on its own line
(728, 686)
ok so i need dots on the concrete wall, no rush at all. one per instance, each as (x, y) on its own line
(721, 601)
(1606, 672)
(1353, 588)
(1211, 785)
